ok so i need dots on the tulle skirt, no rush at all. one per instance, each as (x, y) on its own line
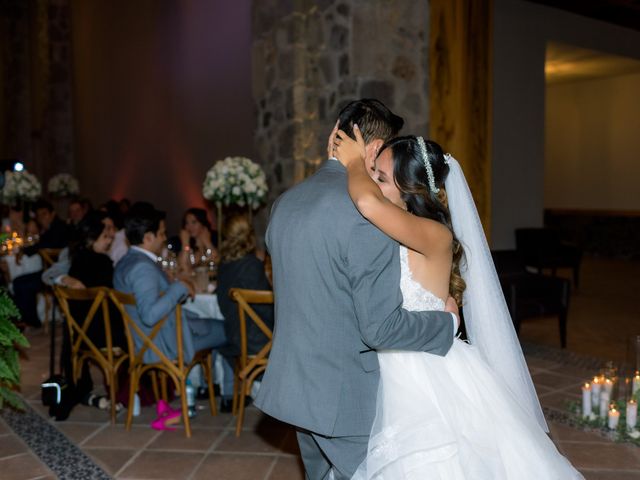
(449, 418)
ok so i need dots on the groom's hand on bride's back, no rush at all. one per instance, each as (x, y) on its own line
(452, 307)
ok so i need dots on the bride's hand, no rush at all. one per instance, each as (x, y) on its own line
(332, 136)
(348, 150)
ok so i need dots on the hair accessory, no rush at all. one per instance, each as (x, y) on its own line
(427, 165)
(447, 158)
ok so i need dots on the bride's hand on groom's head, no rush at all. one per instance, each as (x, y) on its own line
(330, 147)
(348, 150)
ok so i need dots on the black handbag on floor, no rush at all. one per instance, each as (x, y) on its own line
(56, 391)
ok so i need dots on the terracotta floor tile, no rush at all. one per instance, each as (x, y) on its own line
(234, 467)
(111, 459)
(4, 428)
(554, 380)
(77, 432)
(263, 440)
(287, 469)
(11, 445)
(22, 467)
(160, 465)
(558, 400)
(611, 475)
(564, 433)
(117, 437)
(601, 456)
(201, 440)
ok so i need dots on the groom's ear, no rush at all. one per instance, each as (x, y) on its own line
(371, 152)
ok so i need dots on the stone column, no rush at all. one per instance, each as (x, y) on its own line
(35, 65)
(310, 58)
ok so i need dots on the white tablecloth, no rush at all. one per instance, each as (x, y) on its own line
(205, 305)
(28, 264)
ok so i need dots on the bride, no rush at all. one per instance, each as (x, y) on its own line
(474, 413)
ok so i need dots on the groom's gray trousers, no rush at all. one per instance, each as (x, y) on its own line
(346, 453)
(336, 282)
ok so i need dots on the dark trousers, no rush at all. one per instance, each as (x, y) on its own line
(329, 458)
(25, 294)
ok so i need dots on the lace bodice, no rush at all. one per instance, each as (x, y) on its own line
(416, 297)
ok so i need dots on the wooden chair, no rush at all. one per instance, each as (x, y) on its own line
(175, 368)
(248, 367)
(83, 349)
(49, 257)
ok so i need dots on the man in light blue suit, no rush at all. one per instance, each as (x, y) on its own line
(138, 274)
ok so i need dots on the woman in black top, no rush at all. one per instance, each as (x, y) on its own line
(240, 268)
(91, 265)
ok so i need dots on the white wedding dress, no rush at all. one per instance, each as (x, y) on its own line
(450, 418)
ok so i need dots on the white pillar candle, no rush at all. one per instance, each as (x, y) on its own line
(608, 386)
(586, 400)
(596, 386)
(636, 382)
(604, 403)
(614, 417)
(632, 414)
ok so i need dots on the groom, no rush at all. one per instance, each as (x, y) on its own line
(337, 292)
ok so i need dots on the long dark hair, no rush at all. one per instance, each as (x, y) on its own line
(86, 232)
(411, 178)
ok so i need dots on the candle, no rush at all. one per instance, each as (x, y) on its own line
(595, 390)
(632, 414)
(636, 382)
(586, 400)
(604, 403)
(614, 416)
(608, 385)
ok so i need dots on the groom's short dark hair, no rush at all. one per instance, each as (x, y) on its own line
(373, 117)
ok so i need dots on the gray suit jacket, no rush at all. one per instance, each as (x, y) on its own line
(156, 298)
(338, 300)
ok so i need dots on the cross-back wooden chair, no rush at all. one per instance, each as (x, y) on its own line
(174, 368)
(248, 367)
(49, 257)
(83, 348)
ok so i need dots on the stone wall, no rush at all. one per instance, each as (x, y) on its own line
(309, 58)
(36, 119)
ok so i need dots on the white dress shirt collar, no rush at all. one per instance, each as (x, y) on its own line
(149, 254)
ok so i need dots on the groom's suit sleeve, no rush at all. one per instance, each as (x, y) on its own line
(374, 271)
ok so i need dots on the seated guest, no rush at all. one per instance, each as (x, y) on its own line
(54, 233)
(78, 208)
(120, 246)
(196, 238)
(139, 274)
(91, 266)
(240, 268)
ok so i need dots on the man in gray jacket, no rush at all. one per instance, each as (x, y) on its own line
(338, 300)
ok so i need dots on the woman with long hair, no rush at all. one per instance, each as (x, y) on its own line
(473, 413)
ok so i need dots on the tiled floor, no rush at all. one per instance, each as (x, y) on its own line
(267, 449)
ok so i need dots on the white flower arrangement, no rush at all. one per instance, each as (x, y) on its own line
(235, 181)
(20, 186)
(63, 185)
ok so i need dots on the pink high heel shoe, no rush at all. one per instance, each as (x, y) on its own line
(166, 416)
(166, 419)
(163, 407)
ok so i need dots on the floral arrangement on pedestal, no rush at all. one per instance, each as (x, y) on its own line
(235, 181)
(10, 340)
(20, 187)
(63, 185)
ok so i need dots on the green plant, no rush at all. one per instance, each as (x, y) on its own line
(10, 340)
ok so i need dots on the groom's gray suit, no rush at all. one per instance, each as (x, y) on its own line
(338, 300)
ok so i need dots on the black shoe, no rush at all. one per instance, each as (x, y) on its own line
(226, 406)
